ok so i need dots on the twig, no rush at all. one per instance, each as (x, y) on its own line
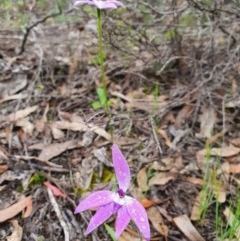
(42, 20)
(59, 215)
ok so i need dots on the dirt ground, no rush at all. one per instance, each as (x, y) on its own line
(173, 75)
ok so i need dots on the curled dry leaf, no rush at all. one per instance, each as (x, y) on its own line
(16, 208)
(185, 225)
(162, 178)
(157, 221)
(17, 232)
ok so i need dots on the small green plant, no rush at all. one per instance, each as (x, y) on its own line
(102, 100)
(209, 183)
(232, 229)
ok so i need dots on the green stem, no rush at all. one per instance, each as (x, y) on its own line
(103, 76)
(101, 57)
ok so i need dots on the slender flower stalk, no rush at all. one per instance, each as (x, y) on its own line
(100, 5)
(101, 58)
(109, 202)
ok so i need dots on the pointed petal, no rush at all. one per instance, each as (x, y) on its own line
(121, 168)
(83, 2)
(139, 216)
(102, 214)
(96, 199)
(122, 221)
(104, 4)
(117, 3)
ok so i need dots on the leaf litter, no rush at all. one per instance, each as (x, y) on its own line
(48, 127)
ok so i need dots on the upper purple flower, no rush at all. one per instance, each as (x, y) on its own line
(100, 4)
(109, 202)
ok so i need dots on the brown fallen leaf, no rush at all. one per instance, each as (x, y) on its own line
(3, 168)
(57, 133)
(17, 232)
(187, 228)
(13, 97)
(21, 113)
(164, 135)
(162, 178)
(207, 120)
(55, 149)
(26, 125)
(157, 221)
(16, 208)
(129, 236)
(40, 124)
(183, 115)
(138, 99)
(234, 168)
(226, 151)
(81, 126)
(142, 180)
(196, 210)
(235, 142)
(147, 203)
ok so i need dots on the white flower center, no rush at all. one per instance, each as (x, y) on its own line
(121, 200)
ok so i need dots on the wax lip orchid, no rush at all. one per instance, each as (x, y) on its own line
(109, 202)
(108, 4)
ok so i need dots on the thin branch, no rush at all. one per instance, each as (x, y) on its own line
(42, 20)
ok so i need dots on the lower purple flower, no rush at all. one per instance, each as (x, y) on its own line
(109, 203)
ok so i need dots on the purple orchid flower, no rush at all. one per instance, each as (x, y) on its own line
(109, 202)
(100, 4)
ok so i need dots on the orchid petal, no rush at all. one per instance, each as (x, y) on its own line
(83, 2)
(139, 216)
(122, 221)
(104, 4)
(121, 168)
(102, 214)
(117, 3)
(96, 199)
